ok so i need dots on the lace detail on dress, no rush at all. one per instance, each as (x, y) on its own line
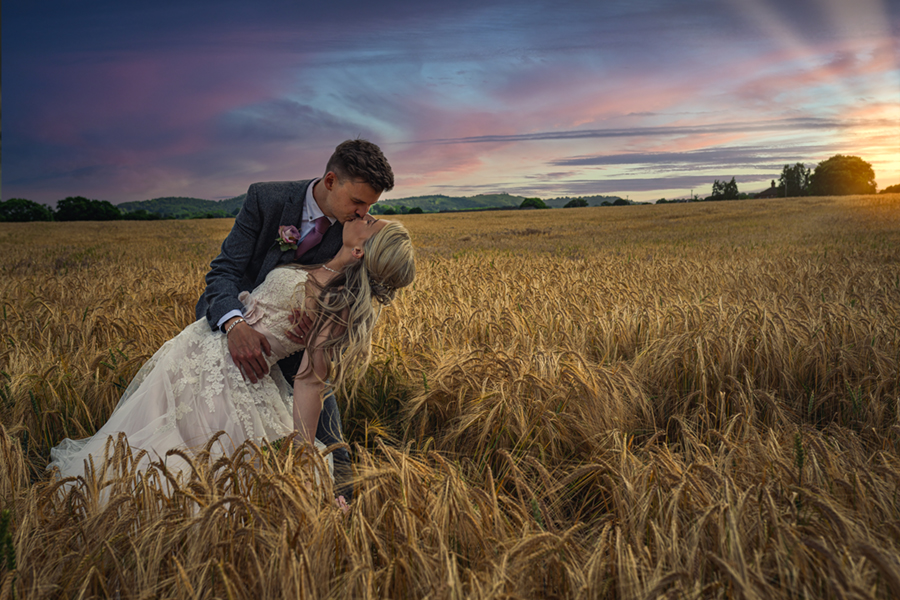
(191, 388)
(272, 303)
(200, 368)
(200, 391)
(252, 311)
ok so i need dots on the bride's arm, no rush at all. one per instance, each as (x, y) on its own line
(308, 386)
(309, 383)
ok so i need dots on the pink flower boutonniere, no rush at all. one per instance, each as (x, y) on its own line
(288, 237)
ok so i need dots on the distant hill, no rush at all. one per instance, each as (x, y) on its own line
(189, 208)
(186, 208)
(439, 202)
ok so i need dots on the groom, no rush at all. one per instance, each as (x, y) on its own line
(355, 176)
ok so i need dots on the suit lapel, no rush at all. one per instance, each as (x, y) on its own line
(292, 214)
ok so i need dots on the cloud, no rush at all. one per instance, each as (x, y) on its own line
(589, 187)
(124, 100)
(273, 121)
(791, 124)
(697, 159)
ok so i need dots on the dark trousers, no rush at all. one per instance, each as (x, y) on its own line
(328, 430)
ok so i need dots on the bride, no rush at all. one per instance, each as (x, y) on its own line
(191, 389)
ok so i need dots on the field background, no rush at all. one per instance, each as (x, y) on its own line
(687, 401)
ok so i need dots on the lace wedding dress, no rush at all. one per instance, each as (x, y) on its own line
(191, 388)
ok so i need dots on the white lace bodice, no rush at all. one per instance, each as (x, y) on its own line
(270, 306)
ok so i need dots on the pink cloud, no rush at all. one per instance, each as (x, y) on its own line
(163, 98)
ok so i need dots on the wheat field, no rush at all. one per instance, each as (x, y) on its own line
(678, 401)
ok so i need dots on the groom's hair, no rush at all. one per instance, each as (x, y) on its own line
(362, 160)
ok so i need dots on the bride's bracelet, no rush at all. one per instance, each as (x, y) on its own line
(230, 327)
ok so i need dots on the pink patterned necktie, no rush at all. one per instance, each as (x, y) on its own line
(313, 238)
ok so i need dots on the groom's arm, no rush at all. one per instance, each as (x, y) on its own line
(229, 268)
(223, 285)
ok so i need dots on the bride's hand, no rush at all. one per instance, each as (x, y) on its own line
(246, 346)
(341, 503)
(302, 325)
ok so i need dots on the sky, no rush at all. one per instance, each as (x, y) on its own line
(642, 99)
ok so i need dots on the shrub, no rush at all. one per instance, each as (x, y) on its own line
(533, 203)
(19, 210)
(79, 208)
(843, 176)
(576, 203)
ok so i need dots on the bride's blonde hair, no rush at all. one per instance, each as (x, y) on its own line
(350, 303)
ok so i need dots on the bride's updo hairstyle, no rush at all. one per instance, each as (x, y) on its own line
(388, 263)
(358, 293)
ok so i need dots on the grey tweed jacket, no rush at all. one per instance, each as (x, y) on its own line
(250, 252)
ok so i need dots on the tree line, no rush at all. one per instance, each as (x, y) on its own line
(839, 175)
(387, 209)
(79, 208)
(73, 208)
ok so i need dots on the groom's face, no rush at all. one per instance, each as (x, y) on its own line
(348, 199)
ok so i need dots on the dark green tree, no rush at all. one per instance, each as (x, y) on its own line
(891, 189)
(794, 180)
(533, 203)
(210, 214)
(140, 215)
(79, 208)
(841, 176)
(416, 210)
(576, 203)
(19, 210)
(722, 190)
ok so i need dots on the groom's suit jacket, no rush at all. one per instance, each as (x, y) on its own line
(250, 252)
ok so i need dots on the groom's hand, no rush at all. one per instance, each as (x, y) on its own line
(246, 346)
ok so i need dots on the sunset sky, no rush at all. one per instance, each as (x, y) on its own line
(130, 100)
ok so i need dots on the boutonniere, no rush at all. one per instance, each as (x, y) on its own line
(288, 237)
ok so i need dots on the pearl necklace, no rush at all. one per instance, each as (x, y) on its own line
(327, 268)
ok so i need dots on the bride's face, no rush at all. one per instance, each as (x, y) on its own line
(358, 231)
